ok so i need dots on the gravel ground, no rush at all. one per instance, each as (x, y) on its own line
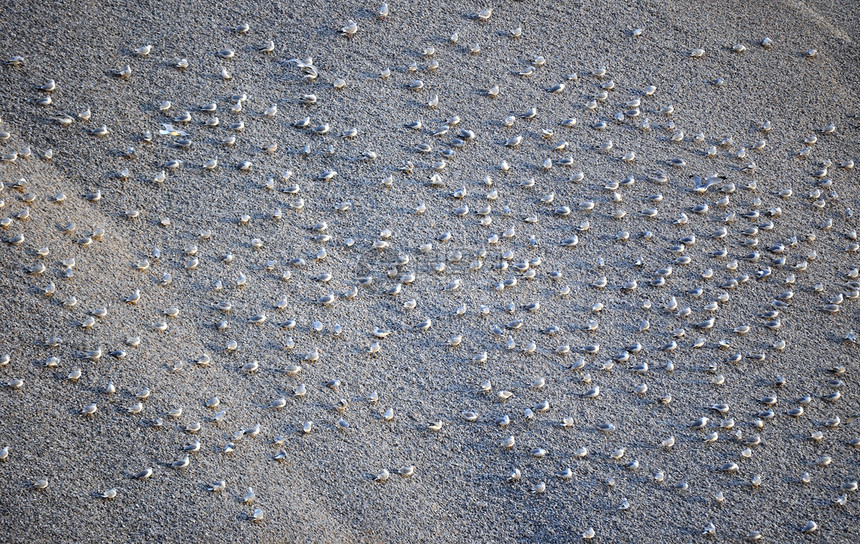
(517, 273)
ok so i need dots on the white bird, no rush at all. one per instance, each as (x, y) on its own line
(250, 496)
(181, 463)
(350, 29)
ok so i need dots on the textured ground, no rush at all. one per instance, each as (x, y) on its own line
(542, 273)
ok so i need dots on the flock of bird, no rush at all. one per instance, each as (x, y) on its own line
(585, 261)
